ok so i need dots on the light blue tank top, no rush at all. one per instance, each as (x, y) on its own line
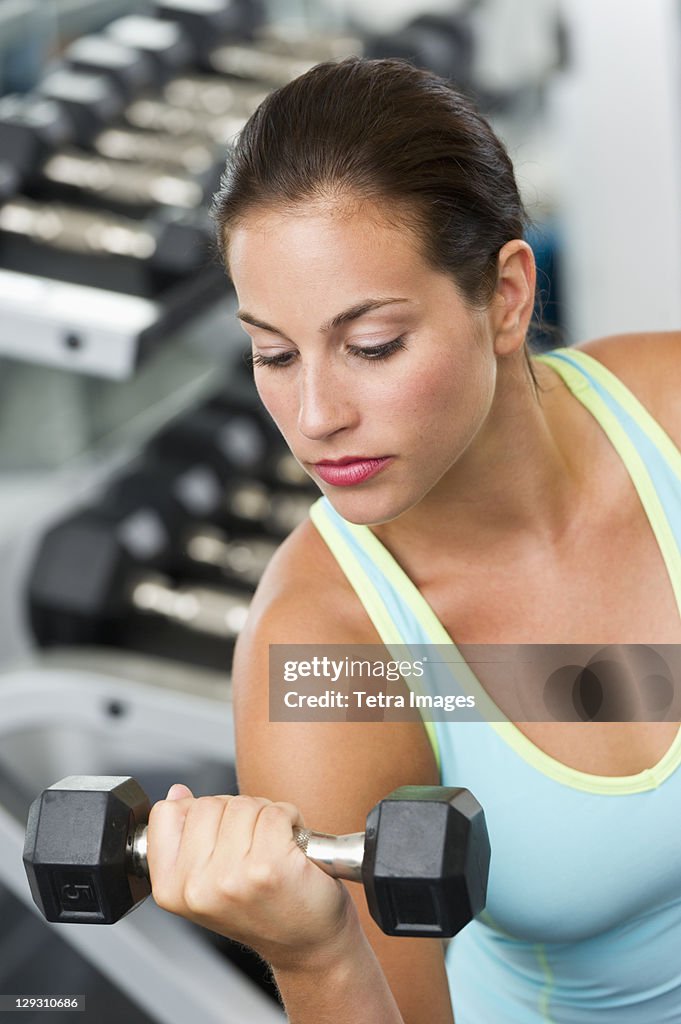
(583, 915)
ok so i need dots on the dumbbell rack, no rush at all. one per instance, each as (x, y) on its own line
(142, 953)
(91, 330)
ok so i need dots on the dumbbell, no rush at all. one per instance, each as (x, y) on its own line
(30, 129)
(308, 44)
(153, 523)
(129, 68)
(40, 135)
(158, 115)
(122, 184)
(211, 97)
(128, 44)
(423, 858)
(135, 53)
(205, 23)
(153, 516)
(208, 93)
(232, 437)
(204, 495)
(99, 248)
(257, 63)
(190, 153)
(164, 43)
(92, 104)
(443, 43)
(91, 572)
(86, 105)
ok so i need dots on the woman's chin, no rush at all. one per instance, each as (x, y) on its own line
(365, 510)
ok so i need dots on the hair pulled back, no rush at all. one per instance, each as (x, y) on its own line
(388, 133)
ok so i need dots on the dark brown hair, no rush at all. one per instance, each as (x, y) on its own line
(385, 132)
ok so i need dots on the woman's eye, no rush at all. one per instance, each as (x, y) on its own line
(380, 351)
(371, 354)
(256, 359)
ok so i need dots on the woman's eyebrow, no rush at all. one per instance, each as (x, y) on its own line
(352, 313)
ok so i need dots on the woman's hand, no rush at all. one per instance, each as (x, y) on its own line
(231, 864)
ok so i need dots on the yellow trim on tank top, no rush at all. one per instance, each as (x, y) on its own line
(369, 597)
(632, 461)
(655, 433)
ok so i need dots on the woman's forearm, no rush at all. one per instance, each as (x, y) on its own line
(349, 988)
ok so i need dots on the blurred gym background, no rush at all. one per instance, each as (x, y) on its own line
(142, 488)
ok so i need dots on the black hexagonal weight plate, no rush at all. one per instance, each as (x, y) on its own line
(426, 861)
(78, 835)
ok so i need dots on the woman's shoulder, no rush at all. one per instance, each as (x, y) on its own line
(649, 365)
(305, 596)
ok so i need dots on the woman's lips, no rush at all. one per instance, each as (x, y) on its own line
(350, 472)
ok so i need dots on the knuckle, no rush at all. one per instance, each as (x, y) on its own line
(206, 803)
(241, 800)
(165, 895)
(157, 811)
(231, 889)
(274, 812)
(290, 809)
(193, 895)
(263, 876)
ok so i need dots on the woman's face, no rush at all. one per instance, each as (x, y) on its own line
(326, 294)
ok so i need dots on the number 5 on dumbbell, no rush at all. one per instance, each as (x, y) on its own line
(423, 859)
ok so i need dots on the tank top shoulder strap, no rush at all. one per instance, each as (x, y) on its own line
(398, 611)
(586, 376)
(396, 607)
(651, 458)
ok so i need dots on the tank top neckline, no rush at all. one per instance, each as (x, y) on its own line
(563, 361)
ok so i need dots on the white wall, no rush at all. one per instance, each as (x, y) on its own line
(618, 121)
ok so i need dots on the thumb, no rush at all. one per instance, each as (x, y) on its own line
(178, 791)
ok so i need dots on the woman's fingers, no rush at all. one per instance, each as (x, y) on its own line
(178, 790)
(271, 839)
(164, 838)
(274, 829)
(230, 863)
(184, 835)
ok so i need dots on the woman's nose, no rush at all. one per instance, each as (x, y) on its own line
(324, 406)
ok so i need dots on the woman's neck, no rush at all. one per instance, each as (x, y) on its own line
(525, 481)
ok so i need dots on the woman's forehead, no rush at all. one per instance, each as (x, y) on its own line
(317, 222)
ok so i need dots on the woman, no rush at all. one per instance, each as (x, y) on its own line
(372, 227)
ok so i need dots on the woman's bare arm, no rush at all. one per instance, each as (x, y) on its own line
(347, 988)
(333, 772)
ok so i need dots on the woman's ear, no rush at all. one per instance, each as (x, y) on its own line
(513, 300)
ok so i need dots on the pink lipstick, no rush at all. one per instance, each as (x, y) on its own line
(346, 472)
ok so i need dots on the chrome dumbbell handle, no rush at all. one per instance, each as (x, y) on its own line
(339, 856)
(218, 613)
